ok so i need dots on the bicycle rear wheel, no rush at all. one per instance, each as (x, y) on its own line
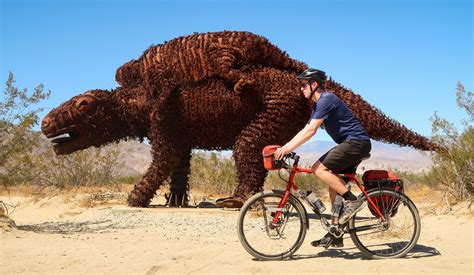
(261, 236)
(394, 237)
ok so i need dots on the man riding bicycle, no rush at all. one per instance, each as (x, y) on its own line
(353, 145)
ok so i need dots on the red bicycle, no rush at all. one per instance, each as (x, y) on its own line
(272, 224)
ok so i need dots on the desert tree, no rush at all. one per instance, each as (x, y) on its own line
(18, 115)
(453, 166)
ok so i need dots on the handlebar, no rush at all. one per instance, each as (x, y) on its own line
(291, 155)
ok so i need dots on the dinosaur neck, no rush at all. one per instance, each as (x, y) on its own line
(132, 115)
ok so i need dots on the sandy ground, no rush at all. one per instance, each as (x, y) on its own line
(54, 236)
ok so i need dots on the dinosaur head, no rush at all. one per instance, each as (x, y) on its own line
(89, 119)
(129, 75)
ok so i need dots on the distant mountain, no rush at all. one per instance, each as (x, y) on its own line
(136, 156)
(382, 156)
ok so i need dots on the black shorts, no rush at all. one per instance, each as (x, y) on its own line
(345, 155)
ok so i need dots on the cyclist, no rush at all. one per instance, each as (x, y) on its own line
(353, 142)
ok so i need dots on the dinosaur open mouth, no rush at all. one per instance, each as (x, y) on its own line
(62, 137)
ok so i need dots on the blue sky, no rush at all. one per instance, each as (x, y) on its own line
(405, 57)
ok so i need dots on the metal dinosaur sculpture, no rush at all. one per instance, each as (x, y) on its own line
(188, 59)
(206, 114)
(191, 58)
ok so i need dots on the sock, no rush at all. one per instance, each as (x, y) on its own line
(348, 196)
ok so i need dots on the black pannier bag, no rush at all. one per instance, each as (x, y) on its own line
(383, 180)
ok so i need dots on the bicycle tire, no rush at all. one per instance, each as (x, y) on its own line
(391, 203)
(245, 225)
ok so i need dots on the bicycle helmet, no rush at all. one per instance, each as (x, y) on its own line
(312, 75)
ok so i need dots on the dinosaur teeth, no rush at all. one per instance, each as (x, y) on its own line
(61, 138)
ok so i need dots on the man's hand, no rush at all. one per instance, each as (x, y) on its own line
(280, 152)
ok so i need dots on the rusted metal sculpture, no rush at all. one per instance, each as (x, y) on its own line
(184, 60)
(201, 109)
(208, 115)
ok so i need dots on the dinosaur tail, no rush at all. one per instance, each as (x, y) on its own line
(378, 125)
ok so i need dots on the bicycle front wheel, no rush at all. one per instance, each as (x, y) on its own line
(265, 237)
(392, 238)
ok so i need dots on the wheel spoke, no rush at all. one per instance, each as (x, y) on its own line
(280, 239)
(393, 237)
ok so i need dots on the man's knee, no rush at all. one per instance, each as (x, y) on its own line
(319, 169)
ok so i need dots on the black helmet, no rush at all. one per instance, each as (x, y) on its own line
(312, 75)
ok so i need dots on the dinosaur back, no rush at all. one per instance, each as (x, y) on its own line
(202, 55)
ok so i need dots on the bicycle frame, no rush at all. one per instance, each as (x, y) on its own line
(292, 186)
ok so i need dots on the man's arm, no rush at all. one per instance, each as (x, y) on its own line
(304, 130)
(304, 135)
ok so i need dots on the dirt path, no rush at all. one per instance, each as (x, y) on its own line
(54, 237)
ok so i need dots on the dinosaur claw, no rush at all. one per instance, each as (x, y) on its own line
(177, 199)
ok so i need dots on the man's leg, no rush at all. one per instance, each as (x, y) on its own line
(336, 186)
(336, 183)
(328, 238)
(335, 207)
(337, 158)
(331, 180)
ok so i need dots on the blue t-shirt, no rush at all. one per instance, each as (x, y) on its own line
(339, 122)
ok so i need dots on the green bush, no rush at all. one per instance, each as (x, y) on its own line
(89, 167)
(17, 140)
(212, 174)
(23, 159)
(216, 175)
(453, 165)
(304, 181)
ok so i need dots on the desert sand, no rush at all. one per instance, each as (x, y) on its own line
(56, 235)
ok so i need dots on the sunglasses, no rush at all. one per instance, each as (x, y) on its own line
(303, 85)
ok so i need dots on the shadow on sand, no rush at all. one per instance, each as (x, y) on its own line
(97, 226)
(352, 253)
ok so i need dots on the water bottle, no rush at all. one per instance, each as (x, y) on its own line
(316, 203)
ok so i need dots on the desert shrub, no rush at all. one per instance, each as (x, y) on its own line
(453, 164)
(411, 178)
(212, 174)
(24, 157)
(128, 179)
(17, 117)
(303, 180)
(92, 166)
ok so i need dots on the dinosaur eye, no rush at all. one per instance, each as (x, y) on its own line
(81, 103)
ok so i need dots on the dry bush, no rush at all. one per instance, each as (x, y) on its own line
(212, 175)
(304, 181)
(89, 167)
(454, 165)
(215, 175)
(17, 117)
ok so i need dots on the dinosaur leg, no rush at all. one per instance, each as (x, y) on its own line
(166, 155)
(179, 183)
(286, 112)
(248, 159)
